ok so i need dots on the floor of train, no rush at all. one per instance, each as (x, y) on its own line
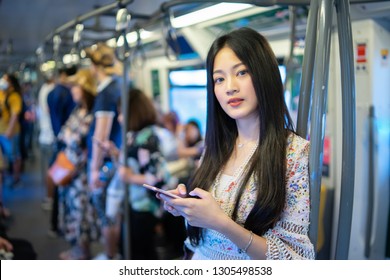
(29, 221)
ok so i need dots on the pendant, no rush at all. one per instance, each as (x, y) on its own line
(231, 186)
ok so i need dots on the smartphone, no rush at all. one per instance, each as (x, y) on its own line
(152, 188)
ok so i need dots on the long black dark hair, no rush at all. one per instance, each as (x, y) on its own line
(142, 112)
(14, 86)
(14, 82)
(268, 162)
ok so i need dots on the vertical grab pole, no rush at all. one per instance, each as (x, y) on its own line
(290, 64)
(122, 22)
(76, 41)
(371, 181)
(56, 52)
(307, 70)
(349, 129)
(318, 114)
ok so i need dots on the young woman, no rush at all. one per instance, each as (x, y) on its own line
(146, 165)
(191, 143)
(104, 127)
(77, 217)
(189, 149)
(249, 199)
(10, 109)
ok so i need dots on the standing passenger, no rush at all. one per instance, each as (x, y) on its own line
(61, 105)
(60, 100)
(46, 136)
(105, 126)
(249, 199)
(4, 212)
(146, 165)
(11, 107)
(77, 219)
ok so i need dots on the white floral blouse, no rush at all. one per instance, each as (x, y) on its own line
(288, 239)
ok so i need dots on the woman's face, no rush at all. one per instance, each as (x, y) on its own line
(233, 86)
(4, 82)
(191, 133)
(77, 93)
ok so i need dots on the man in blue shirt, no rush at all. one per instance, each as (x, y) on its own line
(60, 104)
(60, 101)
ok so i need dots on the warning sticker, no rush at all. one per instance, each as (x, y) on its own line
(361, 53)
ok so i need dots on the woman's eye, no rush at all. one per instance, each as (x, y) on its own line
(218, 80)
(242, 72)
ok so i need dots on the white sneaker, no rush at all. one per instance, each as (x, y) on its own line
(103, 256)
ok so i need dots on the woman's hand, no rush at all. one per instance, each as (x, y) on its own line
(200, 211)
(127, 175)
(181, 191)
(150, 179)
(94, 180)
(110, 149)
(6, 245)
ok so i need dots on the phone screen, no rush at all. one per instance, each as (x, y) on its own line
(152, 188)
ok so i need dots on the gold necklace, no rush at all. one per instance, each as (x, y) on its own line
(240, 145)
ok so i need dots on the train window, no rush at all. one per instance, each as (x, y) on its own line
(282, 70)
(187, 95)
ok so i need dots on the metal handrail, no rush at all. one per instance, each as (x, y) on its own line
(349, 128)
(371, 181)
(122, 24)
(318, 113)
(305, 94)
(159, 14)
(87, 16)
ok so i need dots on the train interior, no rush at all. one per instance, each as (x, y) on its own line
(168, 43)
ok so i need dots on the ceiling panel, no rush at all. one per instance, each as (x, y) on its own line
(24, 24)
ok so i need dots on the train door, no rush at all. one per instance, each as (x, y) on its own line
(370, 221)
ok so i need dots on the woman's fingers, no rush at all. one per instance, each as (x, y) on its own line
(171, 209)
(182, 189)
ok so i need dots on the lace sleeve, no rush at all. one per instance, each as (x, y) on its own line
(288, 239)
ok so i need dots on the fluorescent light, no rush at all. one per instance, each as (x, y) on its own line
(112, 42)
(48, 66)
(131, 38)
(70, 58)
(208, 13)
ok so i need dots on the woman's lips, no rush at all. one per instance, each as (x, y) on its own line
(234, 102)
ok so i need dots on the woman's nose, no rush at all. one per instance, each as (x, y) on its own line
(231, 86)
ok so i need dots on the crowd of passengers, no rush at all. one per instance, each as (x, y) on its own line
(77, 112)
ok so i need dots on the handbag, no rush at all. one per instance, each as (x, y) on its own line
(62, 170)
